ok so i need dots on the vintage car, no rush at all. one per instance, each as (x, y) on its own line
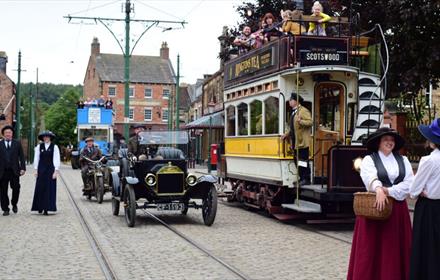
(158, 178)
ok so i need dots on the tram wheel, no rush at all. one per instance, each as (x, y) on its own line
(115, 206)
(130, 205)
(209, 206)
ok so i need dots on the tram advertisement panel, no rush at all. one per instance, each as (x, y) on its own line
(321, 51)
(262, 61)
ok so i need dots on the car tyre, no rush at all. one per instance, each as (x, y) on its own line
(130, 205)
(115, 206)
(100, 189)
(209, 206)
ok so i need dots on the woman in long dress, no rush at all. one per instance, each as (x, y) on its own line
(46, 164)
(381, 249)
(425, 253)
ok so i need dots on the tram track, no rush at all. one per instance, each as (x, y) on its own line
(102, 259)
(195, 244)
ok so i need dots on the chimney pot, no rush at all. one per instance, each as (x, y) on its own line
(164, 51)
(96, 48)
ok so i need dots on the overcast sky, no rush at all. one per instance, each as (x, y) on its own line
(61, 50)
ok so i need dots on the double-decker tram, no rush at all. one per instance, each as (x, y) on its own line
(339, 77)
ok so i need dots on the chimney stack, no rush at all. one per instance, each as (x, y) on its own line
(164, 51)
(96, 49)
(3, 61)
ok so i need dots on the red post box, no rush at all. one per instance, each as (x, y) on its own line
(214, 156)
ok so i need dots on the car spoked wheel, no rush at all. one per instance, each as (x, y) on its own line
(115, 206)
(130, 205)
(209, 206)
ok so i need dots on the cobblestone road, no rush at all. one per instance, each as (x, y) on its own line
(55, 247)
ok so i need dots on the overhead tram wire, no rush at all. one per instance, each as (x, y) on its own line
(94, 8)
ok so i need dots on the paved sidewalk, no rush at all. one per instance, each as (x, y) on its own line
(34, 246)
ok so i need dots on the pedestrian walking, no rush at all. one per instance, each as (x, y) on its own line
(12, 166)
(300, 124)
(381, 249)
(47, 165)
(425, 253)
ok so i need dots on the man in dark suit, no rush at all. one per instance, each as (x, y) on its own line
(12, 166)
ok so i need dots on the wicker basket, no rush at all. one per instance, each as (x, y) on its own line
(363, 205)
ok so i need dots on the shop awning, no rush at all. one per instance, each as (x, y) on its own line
(217, 121)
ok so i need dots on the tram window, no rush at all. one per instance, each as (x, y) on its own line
(230, 115)
(242, 119)
(329, 115)
(271, 115)
(256, 117)
(351, 118)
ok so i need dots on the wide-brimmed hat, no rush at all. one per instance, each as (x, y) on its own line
(374, 139)
(46, 133)
(89, 139)
(7, 127)
(297, 97)
(431, 132)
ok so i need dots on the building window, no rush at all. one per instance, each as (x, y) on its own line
(166, 93)
(131, 114)
(112, 91)
(148, 93)
(165, 115)
(148, 114)
(131, 92)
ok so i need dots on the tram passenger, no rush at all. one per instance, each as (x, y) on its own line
(381, 249)
(300, 124)
(245, 41)
(318, 29)
(290, 26)
(133, 142)
(91, 152)
(271, 29)
(425, 253)
(46, 165)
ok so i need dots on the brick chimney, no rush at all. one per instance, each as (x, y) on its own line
(3, 61)
(164, 51)
(96, 49)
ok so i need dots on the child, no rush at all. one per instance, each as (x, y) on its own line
(318, 29)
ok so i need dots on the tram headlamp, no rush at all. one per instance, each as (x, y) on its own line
(150, 179)
(191, 179)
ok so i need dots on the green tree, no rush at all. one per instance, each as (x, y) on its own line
(60, 118)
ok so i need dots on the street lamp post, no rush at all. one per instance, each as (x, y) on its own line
(211, 106)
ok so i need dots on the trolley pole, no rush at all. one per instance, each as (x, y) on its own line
(18, 100)
(177, 93)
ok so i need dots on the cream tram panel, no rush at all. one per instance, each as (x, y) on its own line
(283, 171)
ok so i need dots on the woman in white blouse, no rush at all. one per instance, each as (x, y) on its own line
(46, 164)
(381, 249)
(425, 255)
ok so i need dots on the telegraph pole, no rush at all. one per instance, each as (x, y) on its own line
(126, 51)
(177, 94)
(17, 100)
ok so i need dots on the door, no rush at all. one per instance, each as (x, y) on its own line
(329, 123)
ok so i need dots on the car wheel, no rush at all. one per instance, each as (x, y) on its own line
(209, 206)
(115, 206)
(100, 189)
(130, 205)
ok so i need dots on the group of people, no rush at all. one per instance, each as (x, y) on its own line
(100, 102)
(13, 165)
(290, 24)
(390, 249)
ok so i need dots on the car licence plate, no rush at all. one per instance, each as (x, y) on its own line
(170, 206)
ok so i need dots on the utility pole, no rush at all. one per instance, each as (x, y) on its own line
(18, 100)
(127, 52)
(177, 93)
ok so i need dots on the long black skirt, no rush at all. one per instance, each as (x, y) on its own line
(425, 255)
(45, 192)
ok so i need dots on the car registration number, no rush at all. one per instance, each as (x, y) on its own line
(170, 206)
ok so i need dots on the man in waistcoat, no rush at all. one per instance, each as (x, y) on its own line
(12, 166)
(300, 124)
(90, 152)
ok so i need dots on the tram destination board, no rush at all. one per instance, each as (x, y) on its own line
(321, 51)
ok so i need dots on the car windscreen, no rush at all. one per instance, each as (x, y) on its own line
(163, 137)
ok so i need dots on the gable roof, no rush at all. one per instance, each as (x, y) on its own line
(143, 69)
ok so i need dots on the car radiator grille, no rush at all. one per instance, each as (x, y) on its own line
(170, 183)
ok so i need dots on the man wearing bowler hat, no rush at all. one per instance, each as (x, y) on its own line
(90, 152)
(133, 142)
(12, 166)
(300, 123)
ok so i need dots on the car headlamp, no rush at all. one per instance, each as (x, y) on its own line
(191, 179)
(150, 179)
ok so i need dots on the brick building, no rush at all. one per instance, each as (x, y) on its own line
(152, 84)
(7, 91)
